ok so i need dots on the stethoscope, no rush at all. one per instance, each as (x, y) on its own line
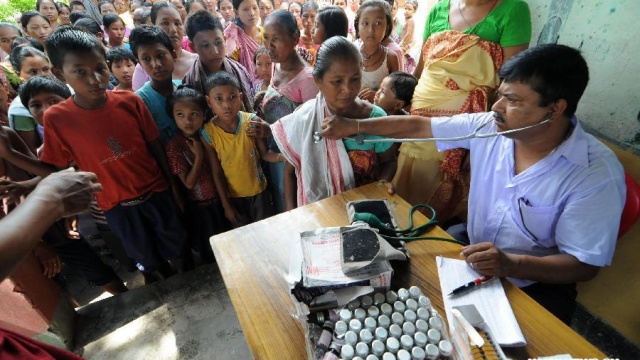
(360, 139)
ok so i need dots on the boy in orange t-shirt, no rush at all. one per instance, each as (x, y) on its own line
(113, 135)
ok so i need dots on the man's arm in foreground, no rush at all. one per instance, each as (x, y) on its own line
(398, 126)
(60, 194)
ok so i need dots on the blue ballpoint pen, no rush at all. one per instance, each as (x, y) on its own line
(470, 285)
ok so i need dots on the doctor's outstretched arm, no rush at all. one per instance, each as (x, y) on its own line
(399, 126)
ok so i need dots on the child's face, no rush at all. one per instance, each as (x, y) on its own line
(123, 71)
(188, 116)
(7, 35)
(88, 75)
(409, 10)
(249, 13)
(263, 66)
(225, 101)
(157, 61)
(372, 25)
(210, 46)
(39, 103)
(318, 33)
(385, 98)
(34, 65)
(116, 33)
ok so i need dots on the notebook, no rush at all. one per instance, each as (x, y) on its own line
(489, 298)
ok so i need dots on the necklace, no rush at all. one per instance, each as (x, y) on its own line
(367, 57)
(465, 20)
(365, 67)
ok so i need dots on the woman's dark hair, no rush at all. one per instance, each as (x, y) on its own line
(334, 20)
(148, 35)
(109, 19)
(201, 20)
(286, 20)
(20, 41)
(61, 5)
(104, 2)
(77, 15)
(42, 84)
(188, 4)
(387, 14)
(20, 53)
(192, 95)
(159, 6)
(553, 71)
(10, 25)
(39, 2)
(28, 15)
(333, 49)
(91, 26)
(309, 4)
(221, 78)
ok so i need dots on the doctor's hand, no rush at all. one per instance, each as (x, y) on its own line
(338, 127)
(488, 260)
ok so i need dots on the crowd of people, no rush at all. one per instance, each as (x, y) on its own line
(202, 116)
(179, 98)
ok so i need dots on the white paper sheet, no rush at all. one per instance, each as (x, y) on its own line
(489, 298)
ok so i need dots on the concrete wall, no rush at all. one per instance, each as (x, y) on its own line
(606, 32)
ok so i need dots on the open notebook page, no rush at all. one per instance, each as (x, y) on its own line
(489, 298)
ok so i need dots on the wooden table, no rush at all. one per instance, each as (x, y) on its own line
(254, 260)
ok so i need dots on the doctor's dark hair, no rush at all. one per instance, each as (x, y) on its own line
(42, 84)
(553, 71)
(286, 20)
(148, 35)
(68, 39)
(77, 15)
(337, 48)
(387, 14)
(201, 20)
(221, 78)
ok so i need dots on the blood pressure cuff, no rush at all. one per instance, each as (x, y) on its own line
(363, 246)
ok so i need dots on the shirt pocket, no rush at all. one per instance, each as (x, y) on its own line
(539, 223)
